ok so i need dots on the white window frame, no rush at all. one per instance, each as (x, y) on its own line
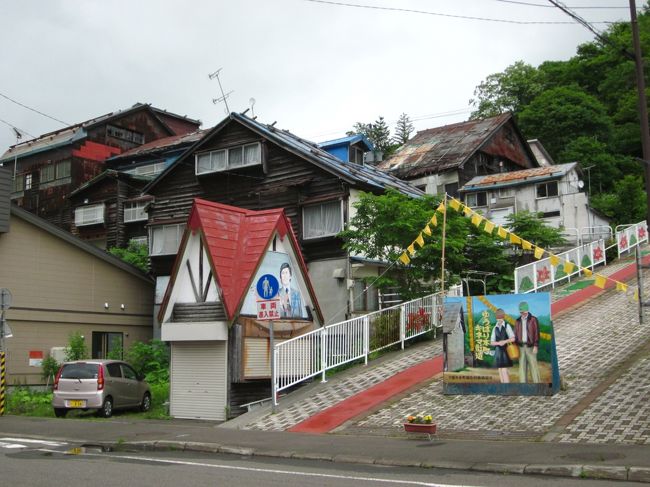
(476, 204)
(47, 173)
(226, 154)
(60, 166)
(506, 192)
(28, 181)
(148, 169)
(546, 184)
(144, 240)
(89, 215)
(134, 211)
(321, 235)
(166, 249)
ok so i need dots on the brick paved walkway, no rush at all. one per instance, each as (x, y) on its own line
(584, 338)
(587, 354)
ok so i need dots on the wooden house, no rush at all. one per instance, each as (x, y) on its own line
(245, 163)
(110, 209)
(443, 159)
(229, 259)
(47, 169)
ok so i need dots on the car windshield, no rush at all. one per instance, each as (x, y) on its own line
(79, 371)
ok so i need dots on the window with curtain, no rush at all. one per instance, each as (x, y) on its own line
(232, 158)
(322, 220)
(89, 215)
(47, 173)
(135, 211)
(165, 239)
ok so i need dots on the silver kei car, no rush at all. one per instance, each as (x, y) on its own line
(103, 385)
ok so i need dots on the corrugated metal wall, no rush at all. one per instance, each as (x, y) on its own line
(198, 380)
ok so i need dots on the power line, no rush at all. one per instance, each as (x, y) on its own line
(34, 110)
(16, 128)
(599, 35)
(439, 14)
(551, 6)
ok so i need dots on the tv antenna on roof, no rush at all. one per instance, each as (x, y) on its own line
(224, 96)
(252, 104)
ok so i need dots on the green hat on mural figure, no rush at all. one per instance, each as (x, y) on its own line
(523, 306)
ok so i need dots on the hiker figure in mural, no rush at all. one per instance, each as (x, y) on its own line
(290, 300)
(527, 337)
(502, 334)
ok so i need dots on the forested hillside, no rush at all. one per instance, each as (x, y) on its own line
(585, 110)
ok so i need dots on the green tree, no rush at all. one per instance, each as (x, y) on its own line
(76, 349)
(508, 91)
(376, 132)
(150, 359)
(626, 203)
(385, 225)
(593, 154)
(135, 254)
(531, 227)
(562, 114)
(403, 129)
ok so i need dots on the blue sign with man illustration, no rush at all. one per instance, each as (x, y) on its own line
(267, 286)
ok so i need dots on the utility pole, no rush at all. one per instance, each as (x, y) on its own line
(643, 104)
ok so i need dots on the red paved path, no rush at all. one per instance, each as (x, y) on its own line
(347, 409)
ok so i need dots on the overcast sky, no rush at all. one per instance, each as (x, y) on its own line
(315, 68)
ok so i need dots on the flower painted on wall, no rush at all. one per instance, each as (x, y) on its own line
(622, 243)
(543, 275)
(598, 254)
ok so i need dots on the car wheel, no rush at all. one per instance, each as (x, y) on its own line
(146, 402)
(107, 408)
(60, 412)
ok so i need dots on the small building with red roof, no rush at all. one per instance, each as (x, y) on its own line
(236, 271)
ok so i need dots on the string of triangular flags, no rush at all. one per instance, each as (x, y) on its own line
(489, 227)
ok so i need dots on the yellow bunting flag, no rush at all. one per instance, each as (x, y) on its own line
(600, 281)
(476, 219)
(467, 211)
(441, 208)
(636, 295)
(489, 226)
(620, 286)
(569, 266)
(526, 245)
(501, 232)
(539, 252)
(554, 260)
(411, 249)
(427, 230)
(405, 258)
(587, 272)
(420, 240)
(514, 239)
(434, 220)
(455, 204)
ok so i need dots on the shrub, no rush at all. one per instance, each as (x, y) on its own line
(76, 349)
(50, 367)
(150, 359)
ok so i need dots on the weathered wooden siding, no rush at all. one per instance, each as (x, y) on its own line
(5, 190)
(289, 183)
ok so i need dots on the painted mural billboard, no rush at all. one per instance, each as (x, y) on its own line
(286, 277)
(508, 346)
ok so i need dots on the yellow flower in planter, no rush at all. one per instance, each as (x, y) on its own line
(428, 419)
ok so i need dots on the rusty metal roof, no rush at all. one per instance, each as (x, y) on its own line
(442, 148)
(518, 177)
(160, 145)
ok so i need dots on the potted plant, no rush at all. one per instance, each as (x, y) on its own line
(416, 423)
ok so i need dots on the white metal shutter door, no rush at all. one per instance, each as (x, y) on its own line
(198, 380)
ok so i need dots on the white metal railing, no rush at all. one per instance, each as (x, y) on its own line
(629, 236)
(542, 274)
(318, 351)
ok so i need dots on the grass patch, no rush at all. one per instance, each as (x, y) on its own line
(23, 401)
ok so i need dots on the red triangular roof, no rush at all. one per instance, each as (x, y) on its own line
(236, 241)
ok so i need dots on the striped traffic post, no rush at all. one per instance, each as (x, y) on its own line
(3, 382)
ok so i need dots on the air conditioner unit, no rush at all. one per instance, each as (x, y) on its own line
(58, 354)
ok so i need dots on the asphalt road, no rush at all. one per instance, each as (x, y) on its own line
(25, 462)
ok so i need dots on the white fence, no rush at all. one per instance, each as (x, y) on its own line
(316, 352)
(629, 236)
(542, 274)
